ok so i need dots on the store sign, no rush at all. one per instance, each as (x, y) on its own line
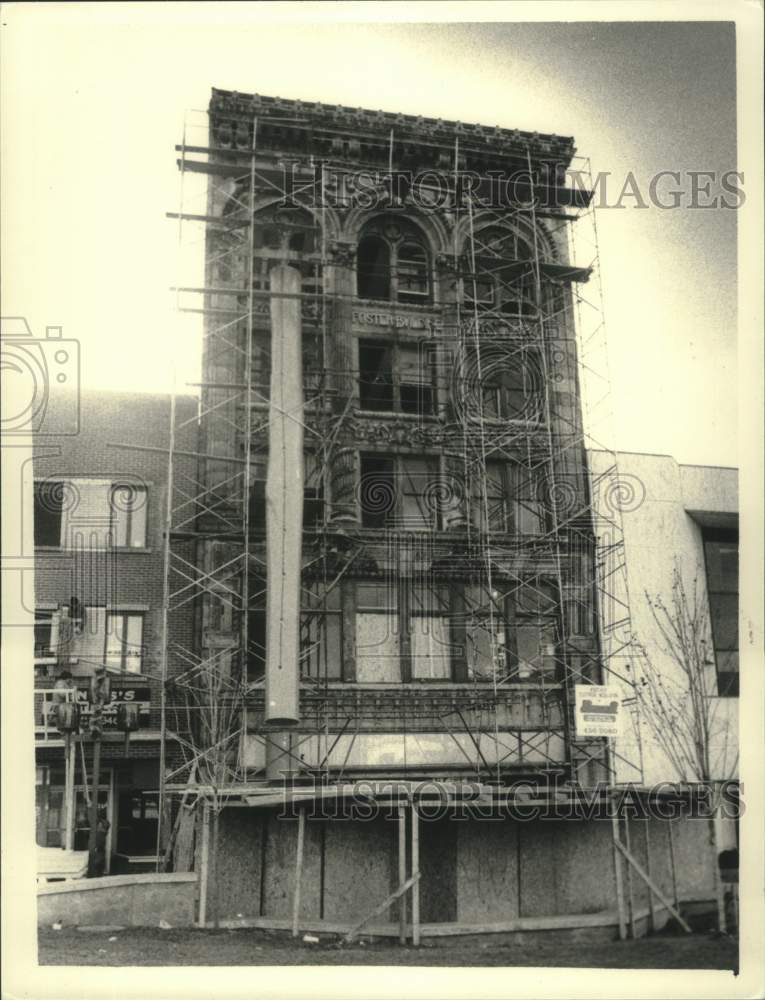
(597, 710)
(119, 695)
(391, 320)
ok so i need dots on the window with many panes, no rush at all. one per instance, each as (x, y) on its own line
(392, 262)
(313, 495)
(124, 641)
(721, 558)
(399, 491)
(503, 279)
(396, 377)
(511, 385)
(509, 499)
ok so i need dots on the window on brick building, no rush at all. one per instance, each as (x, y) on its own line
(49, 501)
(89, 514)
(124, 641)
(128, 503)
(721, 558)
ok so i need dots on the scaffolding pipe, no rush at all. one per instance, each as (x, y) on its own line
(402, 874)
(415, 876)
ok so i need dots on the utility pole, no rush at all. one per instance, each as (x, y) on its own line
(99, 694)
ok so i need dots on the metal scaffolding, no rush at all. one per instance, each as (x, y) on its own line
(519, 348)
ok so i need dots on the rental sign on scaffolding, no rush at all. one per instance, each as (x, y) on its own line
(597, 710)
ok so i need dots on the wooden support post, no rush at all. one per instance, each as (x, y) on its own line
(401, 874)
(298, 873)
(618, 878)
(93, 860)
(675, 896)
(415, 876)
(652, 885)
(204, 864)
(651, 906)
(70, 764)
(630, 893)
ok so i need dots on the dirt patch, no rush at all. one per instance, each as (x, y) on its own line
(149, 946)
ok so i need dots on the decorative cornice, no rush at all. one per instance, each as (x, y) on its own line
(236, 106)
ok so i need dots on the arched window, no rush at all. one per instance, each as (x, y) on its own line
(504, 280)
(393, 263)
(412, 273)
(373, 268)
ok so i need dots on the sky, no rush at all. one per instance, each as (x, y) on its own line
(99, 93)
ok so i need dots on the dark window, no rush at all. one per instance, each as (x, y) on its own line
(137, 813)
(43, 633)
(256, 643)
(375, 376)
(313, 493)
(399, 492)
(373, 268)
(257, 511)
(48, 512)
(321, 634)
(504, 278)
(415, 379)
(721, 557)
(395, 377)
(392, 262)
(378, 493)
(536, 632)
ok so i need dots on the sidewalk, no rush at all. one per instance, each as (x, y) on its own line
(151, 946)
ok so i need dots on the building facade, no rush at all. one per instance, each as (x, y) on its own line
(99, 513)
(405, 569)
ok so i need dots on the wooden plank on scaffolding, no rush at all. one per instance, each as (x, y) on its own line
(401, 874)
(415, 876)
(298, 873)
(618, 879)
(652, 885)
(398, 893)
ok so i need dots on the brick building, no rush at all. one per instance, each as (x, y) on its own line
(99, 511)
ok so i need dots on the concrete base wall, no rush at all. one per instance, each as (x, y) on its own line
(473, 871)
(121, 900)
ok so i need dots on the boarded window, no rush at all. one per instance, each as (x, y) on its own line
(430, 644)
(377, 647)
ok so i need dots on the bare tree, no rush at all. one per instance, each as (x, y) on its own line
(681, 707)
(211, 699)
